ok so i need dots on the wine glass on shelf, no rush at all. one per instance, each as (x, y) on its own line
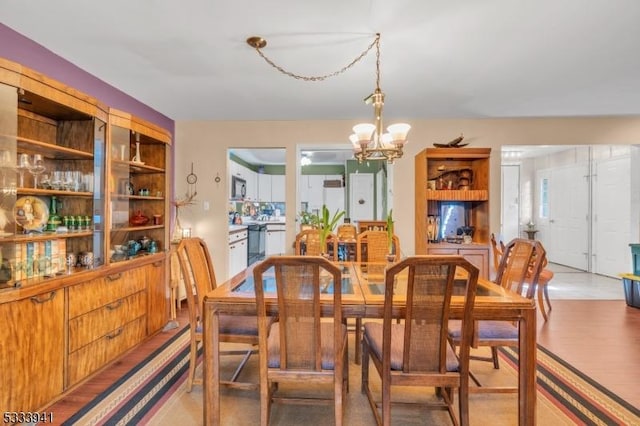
(36, 168)
(23, 165)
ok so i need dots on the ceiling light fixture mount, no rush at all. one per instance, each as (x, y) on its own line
(257, 42)
(369, 141)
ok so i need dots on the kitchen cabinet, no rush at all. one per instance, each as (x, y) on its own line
(31, 353)
(278, 188)
(238, 246)
(264, 187)
(453, 183)
(275, 240)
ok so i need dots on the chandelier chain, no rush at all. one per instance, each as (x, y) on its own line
(375, 42)
(378, 62)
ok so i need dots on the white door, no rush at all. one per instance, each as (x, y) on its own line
(510, 203)
(361, 201)
(568, 232)
(334, 199)
(612, 216)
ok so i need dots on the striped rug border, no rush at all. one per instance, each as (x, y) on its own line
(579, 397)
(137, 390)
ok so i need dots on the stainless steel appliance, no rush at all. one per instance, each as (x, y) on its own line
(238, 188)
(256, 237)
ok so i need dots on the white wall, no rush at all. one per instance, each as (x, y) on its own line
(205, 143)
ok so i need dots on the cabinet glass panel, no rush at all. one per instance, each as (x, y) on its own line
(137, 194)
(51, 159)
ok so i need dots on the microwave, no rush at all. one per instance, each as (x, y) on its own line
(238, 188)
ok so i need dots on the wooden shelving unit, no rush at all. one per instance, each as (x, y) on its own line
(440, 185)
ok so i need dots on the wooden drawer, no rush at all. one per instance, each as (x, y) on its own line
(237, 236)
(103, 291)
(95, 324)
(96, 354)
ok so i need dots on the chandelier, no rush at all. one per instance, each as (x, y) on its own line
(369, 142)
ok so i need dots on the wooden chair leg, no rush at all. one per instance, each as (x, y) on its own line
(494, 356)
(541, 290)
(358, 340)
(546, 296)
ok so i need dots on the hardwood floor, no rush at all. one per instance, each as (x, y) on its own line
(601, 338)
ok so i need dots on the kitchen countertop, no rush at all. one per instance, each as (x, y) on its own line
(237, 228)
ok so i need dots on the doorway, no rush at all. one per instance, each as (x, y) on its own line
(578, 198)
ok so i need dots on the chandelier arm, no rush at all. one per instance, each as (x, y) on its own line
(375, 42)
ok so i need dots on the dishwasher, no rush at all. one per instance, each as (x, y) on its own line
(256, 237)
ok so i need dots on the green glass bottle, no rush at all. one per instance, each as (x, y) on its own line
(54, 219)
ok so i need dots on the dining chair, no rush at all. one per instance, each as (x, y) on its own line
(520, 266)
(542, 288)
(199, 279)
(301, 346)
(307, 243)
(373, 246)
(346, 234)
(417, 351)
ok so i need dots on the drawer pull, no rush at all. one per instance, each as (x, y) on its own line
(114, 305)
(114, 277)
(43, 299)
(115, 333)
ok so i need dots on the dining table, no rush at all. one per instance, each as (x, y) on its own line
(363, 297)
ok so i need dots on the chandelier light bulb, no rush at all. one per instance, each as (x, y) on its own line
(364, 132)
(399, 133)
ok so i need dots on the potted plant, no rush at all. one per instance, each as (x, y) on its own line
(390, 233)
(326, 224)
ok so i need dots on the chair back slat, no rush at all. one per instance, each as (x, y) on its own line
(430, 286)
(299, 282)
(377, 246)
(308, 243)
(520, 266)
(197, 272)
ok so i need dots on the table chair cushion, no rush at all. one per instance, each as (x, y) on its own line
(373, 334)
(487, 330)
(243, 325)
(326, 329)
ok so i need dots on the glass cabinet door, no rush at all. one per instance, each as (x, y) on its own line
(51, 164)
(137, 182)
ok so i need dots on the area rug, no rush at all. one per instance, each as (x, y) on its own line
(579, 397)
(137, 394)
(153, 386)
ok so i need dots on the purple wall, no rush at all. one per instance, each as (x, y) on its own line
(18, 48)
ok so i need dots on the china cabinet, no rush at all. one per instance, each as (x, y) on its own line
(452, 203)
(82, 277)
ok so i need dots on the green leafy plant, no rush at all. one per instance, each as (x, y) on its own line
(326, 224)
(390, 230)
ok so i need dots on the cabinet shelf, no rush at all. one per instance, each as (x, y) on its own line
(457, 195)
(57, 192)
(136, 197)
(21, 238)
(137, 167)
(136, 228)
(48, 150)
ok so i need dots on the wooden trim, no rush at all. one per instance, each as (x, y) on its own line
(124, 119)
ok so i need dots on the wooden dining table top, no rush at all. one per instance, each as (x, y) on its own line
(363, 286)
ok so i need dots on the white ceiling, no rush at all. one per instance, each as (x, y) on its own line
(439, 59)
